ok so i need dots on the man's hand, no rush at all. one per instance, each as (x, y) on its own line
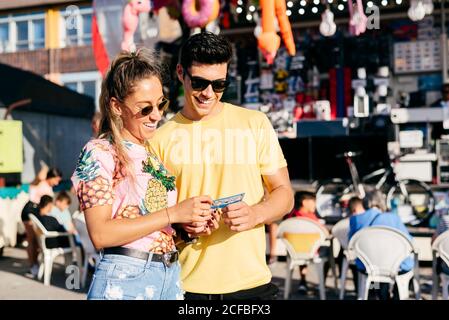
(240, 217)
(203, 228)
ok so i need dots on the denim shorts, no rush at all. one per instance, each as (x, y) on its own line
(119, 277)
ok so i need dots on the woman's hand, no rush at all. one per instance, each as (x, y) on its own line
(205, 228)
(195, 210)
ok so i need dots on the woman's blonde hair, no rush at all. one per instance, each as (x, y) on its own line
(125, 71)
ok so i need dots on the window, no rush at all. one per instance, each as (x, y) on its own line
(4, 36)
(22, 32)
(88, 83)
(76, 27)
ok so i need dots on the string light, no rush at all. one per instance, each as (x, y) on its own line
(369, 4)
(252, 8)
(384, 3)
(289, 4)
(341, 7)
(249, 17)
(239, 10)
(303, 3)
(288, 13)
(398, 1)
(301, 11)
(314, 9)
(317, 2)
(240, 2)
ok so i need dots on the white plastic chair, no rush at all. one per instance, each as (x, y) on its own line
(302, 238)
(89, 250)
(340, 231)
(48, 255)
(440, 249)
(382, 250)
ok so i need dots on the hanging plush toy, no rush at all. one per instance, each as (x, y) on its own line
(285, 27)
(327, 25)
(194, 18)
(130, 20)
(357, 19)
(268, 40)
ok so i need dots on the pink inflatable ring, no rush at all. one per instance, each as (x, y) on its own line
(209, 10)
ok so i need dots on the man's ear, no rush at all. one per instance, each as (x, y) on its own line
(180, 73)
(115, 107)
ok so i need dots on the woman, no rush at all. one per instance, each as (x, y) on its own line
(128, 197)
(41, 186)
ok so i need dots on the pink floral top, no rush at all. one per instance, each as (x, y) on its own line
(99, 180)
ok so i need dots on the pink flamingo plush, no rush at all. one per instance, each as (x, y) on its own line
(130, 20)
(357, 20)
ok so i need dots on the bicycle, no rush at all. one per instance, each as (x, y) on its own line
(412, 199)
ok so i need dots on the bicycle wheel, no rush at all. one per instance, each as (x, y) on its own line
(413, 200)
(329, 197)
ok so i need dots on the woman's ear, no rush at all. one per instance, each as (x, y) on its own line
(180, 73)
(116, 107)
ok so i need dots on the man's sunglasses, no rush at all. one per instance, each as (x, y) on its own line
(162, 106)
(200, 84)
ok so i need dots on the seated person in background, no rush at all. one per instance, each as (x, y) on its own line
(51, 224)
(375, 215)
(443, 225)
(355, 206)
(61, 212)
(305, 206)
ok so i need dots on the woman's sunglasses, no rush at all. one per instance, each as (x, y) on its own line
(162, 106)
(200, 84)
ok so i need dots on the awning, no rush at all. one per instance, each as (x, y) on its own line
(46, 96)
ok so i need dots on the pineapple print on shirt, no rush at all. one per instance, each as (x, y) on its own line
(156, 199)
(162, 182)
(95, 189)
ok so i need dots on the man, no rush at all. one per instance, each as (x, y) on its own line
(219, 149)
(375, 215)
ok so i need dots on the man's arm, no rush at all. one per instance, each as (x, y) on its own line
(278, 202)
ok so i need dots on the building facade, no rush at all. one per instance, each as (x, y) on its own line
(52, 39)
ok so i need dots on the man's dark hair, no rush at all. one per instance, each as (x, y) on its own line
(64, 196)
(45, 200)
(353, 203)
(53, 173)
(206, 48)
(300, 196)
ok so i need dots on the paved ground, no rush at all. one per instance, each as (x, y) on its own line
(17, 284)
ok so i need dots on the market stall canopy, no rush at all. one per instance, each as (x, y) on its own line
(46, 96)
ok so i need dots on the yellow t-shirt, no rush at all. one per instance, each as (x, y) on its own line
(220, 157)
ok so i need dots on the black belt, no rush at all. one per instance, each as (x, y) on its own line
(167, 258)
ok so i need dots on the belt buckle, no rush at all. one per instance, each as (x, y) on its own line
(169, 258)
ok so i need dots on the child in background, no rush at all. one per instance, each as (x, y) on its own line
(51, 224)
(305, 206)
(61, 212)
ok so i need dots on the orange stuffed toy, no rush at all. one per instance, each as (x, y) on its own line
(268, 40)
